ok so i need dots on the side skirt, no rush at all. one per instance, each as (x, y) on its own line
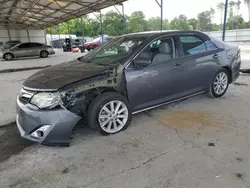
(169, 102)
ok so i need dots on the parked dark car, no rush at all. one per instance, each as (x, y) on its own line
(97, 42)
(128, 75)
(28, 49)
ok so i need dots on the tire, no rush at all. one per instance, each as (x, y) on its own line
(220, 84)
(8, 56)
(109, 123)
(44, 54)
(89, 50)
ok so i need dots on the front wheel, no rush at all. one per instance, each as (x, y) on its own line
(8, 56)
(220, 84)
(44, 54)
(110, 113)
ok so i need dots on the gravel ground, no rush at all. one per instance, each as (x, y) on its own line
(199, 142)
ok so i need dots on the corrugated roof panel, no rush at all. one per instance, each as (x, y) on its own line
(47, 12)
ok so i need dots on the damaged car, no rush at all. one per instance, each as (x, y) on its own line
(128, 75)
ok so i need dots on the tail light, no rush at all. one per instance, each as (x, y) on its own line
(238, 50)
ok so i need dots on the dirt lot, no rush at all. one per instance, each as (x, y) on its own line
(200, 142)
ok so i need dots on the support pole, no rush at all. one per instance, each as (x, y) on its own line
(101, 26)
(9, 34)
(45, 37)
(161, 7)
(58, 30)
(28, 35)
(123, 20)
(82, 29)
(68, 29)
(225, 22)
(50, 36)
(161, 15)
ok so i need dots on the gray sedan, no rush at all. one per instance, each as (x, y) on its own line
(28, 49)
(128, 75)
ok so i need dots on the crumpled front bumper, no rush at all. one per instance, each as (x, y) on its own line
(61, 122)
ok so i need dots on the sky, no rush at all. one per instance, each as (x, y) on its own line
(173, 8)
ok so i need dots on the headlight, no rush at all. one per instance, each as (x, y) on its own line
(46, 100)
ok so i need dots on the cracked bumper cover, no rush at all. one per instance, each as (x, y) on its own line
(29, 118)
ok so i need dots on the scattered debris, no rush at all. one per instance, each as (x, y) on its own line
(240, 84)
(239, 159)
(211, 144)
(65, 171)
(239, 175)
(218, 176)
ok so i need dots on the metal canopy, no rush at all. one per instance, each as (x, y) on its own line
(40, 14)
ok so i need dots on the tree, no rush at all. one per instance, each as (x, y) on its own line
(221, 8)
(112, 24)
(137, 22)
(247, 2)
(237, 4)
(179, 23)
(236, 22)
(205, 20)
(154, 24)
(193, 23)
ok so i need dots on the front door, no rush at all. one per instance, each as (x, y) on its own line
(157, 82)
(142, 86)
(23, 50)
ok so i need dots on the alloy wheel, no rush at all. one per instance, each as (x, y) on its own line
(44, 54)
(8, 57)
(113, 116)
(220, 83)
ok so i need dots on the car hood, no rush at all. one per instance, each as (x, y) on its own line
(56, 77)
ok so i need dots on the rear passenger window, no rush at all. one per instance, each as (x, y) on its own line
(210, 46)
(192, 45)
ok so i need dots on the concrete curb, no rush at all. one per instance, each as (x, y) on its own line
(22, 69)
(245, 70)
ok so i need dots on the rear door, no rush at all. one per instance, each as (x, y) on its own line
(200, 60)
(35, 49)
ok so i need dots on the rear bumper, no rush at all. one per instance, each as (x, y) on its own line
(236, 71)
(60, 121)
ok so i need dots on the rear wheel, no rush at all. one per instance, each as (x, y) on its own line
(110, 113)
(8, 56)
(44, 54)
(220, 84)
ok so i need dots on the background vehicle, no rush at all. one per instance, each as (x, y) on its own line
(97, 42)
(128, 75)
(27, 49)
(73, 43)
(13, 42)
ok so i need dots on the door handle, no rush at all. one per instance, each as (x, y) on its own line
(216, 56)
(178, 66)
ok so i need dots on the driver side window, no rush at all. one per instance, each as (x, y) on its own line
(157, 52)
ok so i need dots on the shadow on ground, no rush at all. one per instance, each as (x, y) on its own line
(11, 142)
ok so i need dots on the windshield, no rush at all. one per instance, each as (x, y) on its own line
(97, 40)
(8, 46)
(111, 52)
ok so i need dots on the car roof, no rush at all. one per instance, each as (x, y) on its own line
(165, 32)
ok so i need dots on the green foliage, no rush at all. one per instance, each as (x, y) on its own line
(137, 22)
(205, 20)
(179, 23)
